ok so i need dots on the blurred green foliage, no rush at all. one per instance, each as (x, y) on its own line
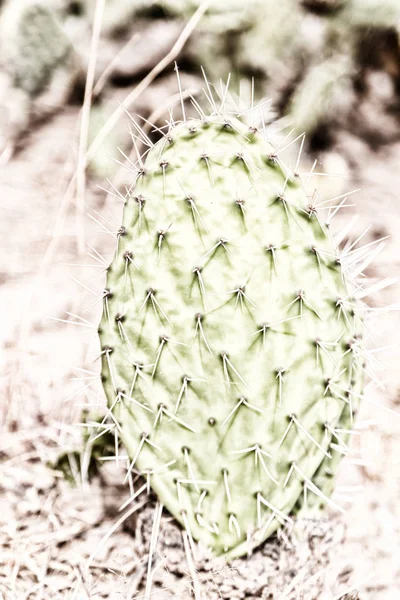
(33, 44)
(304, 54)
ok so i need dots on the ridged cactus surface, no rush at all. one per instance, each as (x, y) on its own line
(231, 352)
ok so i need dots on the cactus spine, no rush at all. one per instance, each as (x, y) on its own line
(231, 346)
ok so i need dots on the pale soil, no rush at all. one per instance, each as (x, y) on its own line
(48, 530)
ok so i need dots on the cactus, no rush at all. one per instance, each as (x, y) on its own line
(38, 68)
(230, 339)
(34, 45)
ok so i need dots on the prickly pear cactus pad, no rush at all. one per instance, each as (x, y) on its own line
(34, 46)
(231, 351)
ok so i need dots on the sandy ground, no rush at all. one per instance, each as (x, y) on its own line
(51, 534)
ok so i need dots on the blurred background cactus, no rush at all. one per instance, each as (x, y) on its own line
(300, 54)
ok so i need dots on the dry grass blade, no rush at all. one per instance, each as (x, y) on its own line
(108, 71)
(84, 130)
(191, 567)
(139, 89)
(109, 533)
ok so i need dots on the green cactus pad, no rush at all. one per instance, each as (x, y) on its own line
(230, 348)
(33, 45)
